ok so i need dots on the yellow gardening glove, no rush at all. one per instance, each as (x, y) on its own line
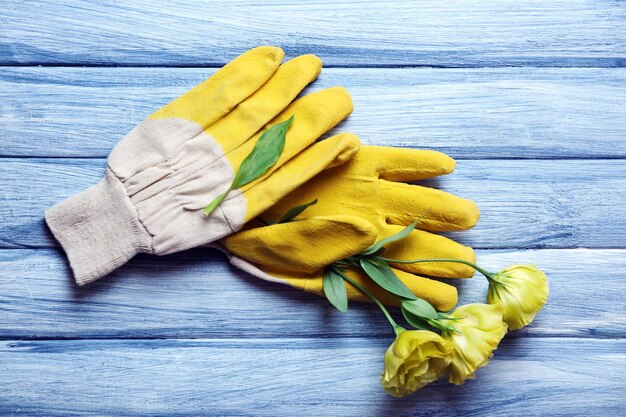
(168, 168)
(360, 202)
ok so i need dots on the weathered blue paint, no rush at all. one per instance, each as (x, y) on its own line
(438, 33)
(243, 375)
(524, 203)
(197, 294)
(468, 113)
(541, 144)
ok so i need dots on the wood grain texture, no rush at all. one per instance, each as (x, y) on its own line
(327, 377)
(468, 113)
(198, 294)
(345, 33)
(523, 203)
(542, 150)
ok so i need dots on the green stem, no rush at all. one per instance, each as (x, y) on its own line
(396, 327)
(353, 261)
(487, 275)
(218, 200)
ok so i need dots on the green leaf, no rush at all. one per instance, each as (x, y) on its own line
(449, 317)
(420, 308)
(266, 152)
(213, 205)
(384, 276)
(393, 238)
(448, 328)
(295, 211)
(415, 321)
(335, 290)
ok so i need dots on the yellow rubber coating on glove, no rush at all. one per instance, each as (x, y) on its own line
(322, 246)
(239, 102)
(256, 111)
(229, 86)
(423, 245)
(315, 114)
(441, 295)
(330, 152)
(362, 188)
(361, 191)
(400, 164)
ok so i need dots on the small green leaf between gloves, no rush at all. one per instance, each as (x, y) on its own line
(291, 214)
(376, 247)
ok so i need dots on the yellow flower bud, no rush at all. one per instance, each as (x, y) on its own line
(414, 359)
(480, 330)
(522, 290)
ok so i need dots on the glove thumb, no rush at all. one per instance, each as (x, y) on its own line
(303, 246)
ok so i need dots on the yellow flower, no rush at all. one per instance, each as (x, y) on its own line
(480, 330)
(522, 290)
(414, 359)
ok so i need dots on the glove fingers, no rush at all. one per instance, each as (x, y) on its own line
(320, 156)
(424, 245)
(304, 246)
(437, 210)
(401, 164)
(441, 295)
(257, 110)
(315, 114)
(261, 195)
(217, 95)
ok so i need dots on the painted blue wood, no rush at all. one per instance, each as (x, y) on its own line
(523, 203)
(300, 377)
(197, 294)
(475, 113)
(235, 345)
(347, 33)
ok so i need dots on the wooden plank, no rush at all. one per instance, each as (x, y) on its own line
(524, 203)
(266, 377)
(198, 294)
(468, 113)
(349, 32)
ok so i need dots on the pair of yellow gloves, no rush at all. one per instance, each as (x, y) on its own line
(166, 170)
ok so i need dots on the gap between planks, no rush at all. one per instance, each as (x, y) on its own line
(184, 296)
(469, 114)
(556, 202)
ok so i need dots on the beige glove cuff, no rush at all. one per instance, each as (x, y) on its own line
(98, 229)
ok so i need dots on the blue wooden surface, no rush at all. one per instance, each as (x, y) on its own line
(481, 113)
(530, 97)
